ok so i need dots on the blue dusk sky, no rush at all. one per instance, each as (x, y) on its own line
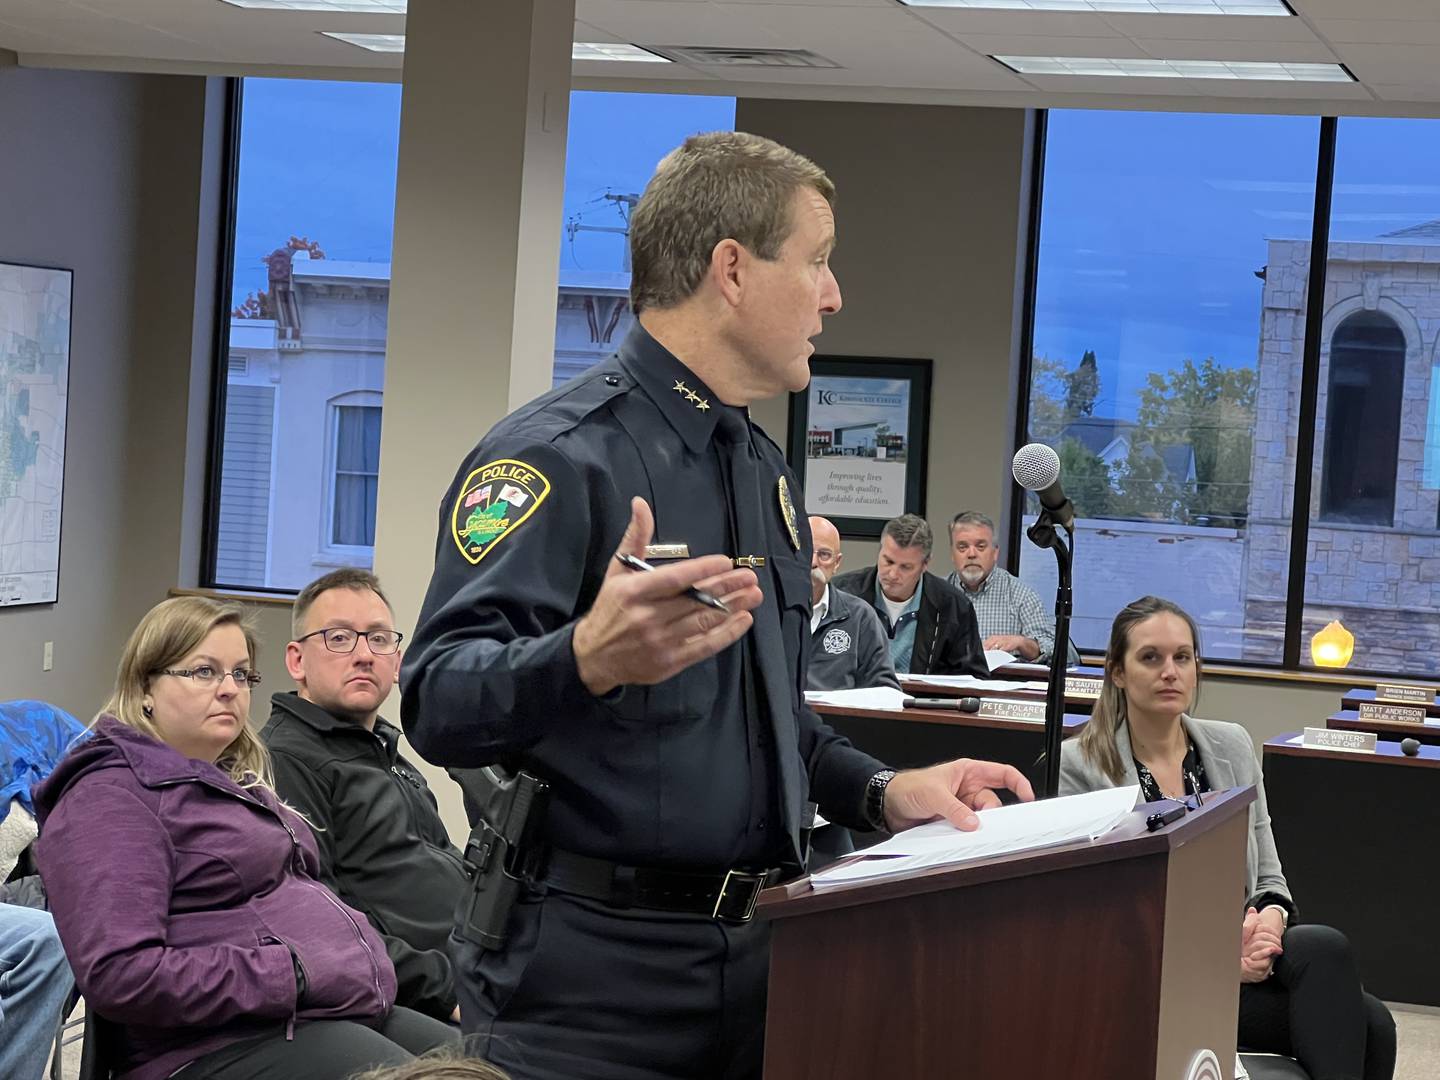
(318, 160)
(1153, 223)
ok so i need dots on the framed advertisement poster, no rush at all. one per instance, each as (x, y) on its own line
(858, 440)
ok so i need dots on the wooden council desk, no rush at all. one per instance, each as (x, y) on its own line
(1350, 720)
(1354, 698)
(1356, 837)
(907, 738)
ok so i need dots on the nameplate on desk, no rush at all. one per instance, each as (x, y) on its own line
(1009, 709)
(1356, 742)
(1080, 686)
(1408, 695)
(1395, 714)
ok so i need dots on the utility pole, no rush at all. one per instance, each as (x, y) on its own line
(624, 203)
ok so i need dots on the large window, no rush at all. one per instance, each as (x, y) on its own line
(306, 362)
(1153, 258)
(1373, 550)
(298, 468)
(1181, 340)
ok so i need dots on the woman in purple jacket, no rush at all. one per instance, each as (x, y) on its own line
(185, 892)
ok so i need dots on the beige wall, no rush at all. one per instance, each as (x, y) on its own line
(929, 219)
(103, 177)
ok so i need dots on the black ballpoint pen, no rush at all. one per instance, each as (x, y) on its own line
(695, 594)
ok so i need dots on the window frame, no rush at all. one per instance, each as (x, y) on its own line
(220, 342)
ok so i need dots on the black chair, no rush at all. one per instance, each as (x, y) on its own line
(1272, 1067)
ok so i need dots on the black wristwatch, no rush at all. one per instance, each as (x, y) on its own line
(875, 798)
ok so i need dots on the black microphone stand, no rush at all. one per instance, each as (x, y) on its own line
(1045, 533)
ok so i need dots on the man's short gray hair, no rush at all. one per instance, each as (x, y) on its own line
(972, 517)
(910, 530)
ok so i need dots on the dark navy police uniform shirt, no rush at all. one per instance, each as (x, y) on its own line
(678, 774)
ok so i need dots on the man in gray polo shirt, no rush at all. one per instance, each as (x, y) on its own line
(1010, 613)
(848, 646)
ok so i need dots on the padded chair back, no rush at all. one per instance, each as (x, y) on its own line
(1272, 1067)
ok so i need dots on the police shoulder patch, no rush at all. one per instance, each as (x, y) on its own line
(493, 502)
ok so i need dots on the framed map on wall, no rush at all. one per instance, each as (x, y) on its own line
(34, 379)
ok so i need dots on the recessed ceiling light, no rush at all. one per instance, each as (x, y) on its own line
(1177, 69)
(1127, 7)
(368, 7)
(605, 50)
(389, 43)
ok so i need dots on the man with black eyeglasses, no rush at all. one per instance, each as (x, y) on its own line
(383, 847)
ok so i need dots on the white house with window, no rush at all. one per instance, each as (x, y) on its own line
(303, 401)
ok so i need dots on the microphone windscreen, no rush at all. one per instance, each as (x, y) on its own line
(969, 704)
(1410, 747)
(1036, 466)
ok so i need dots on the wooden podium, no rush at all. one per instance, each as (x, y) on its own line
(1112, 960)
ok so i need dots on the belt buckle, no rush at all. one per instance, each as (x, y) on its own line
(752, 882)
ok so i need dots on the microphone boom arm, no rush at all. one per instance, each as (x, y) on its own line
(1046, 533)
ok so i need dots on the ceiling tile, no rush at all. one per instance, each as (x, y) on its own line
(969, 21)
(1211, 27)
(1013, 45)
(1389, 92)
(1386, 32)
(1373, 9)
(1392, 63)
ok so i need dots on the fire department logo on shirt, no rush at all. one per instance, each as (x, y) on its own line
(494, 500)
(836, 642)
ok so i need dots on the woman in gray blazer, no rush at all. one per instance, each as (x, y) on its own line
(1300, 992)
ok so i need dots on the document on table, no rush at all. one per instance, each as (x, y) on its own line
(970, 682)
(995, 658)
(870, 697)
(1004, 830)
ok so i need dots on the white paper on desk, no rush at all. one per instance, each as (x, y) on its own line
(998, 658)
(869, 697)
(1240, 1070)
(1004, 830)
(969, 682)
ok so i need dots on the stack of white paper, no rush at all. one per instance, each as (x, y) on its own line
(998, 658)
(970, 682)
(870, 697)
(1005, 830)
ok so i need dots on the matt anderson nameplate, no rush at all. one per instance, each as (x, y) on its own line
(1394, 714)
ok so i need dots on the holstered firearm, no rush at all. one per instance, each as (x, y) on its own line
(504, 851)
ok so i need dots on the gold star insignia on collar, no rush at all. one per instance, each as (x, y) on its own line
(690, 395)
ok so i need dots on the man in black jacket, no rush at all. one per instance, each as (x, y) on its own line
(931, 625)
(383, 847)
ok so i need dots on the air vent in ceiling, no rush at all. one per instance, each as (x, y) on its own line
(713, 56)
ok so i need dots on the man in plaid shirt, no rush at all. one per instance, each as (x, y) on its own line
(1010, 614)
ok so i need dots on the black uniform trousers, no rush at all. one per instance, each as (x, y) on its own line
(583, 991)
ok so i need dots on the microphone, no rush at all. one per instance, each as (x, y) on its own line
(963, 704)
(1410, 747)
(1037, 468)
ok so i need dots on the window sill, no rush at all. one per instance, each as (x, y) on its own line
(244, 596)
(1340, 678)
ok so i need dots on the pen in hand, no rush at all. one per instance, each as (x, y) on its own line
(632, 563)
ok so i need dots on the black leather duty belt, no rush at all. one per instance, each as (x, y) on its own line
(728, 896)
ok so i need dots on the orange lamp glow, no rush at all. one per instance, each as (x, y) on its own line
(1332, 646)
